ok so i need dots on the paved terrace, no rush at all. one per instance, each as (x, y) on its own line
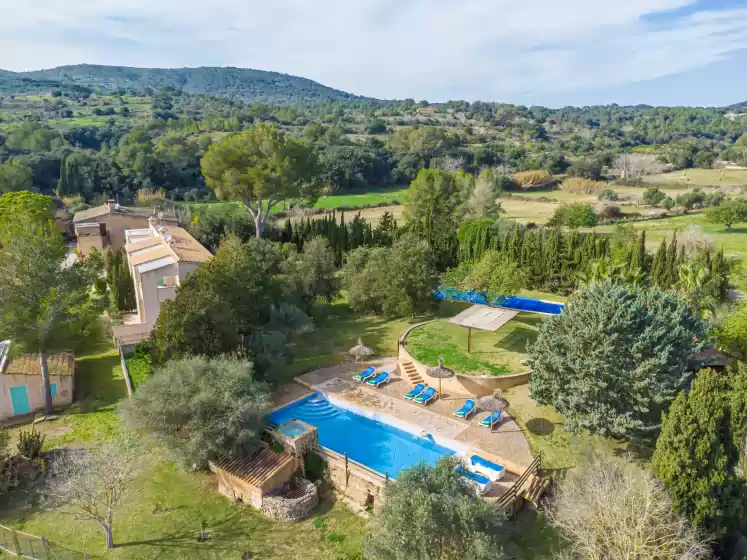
(506, 445)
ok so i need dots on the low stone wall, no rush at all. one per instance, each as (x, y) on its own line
(291, 504)
(462, 385)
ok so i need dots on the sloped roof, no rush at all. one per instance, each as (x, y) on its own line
(142, 244)
(257, 468)
(184, 246)
(152, 255)
(104, 209)
(61, 364)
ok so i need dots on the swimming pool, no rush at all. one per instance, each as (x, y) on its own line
(382, 447)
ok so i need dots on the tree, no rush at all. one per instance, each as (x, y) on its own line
(445, 519)
(696, 286)
(483, 200)
(496, 275)
(690, 200)
(92, 485)
(201, 409)
(615, 358)
(696, 454)
(259, 167)
(654, 196)
(574, 216)
(610, 508)
(310, 274)
(728, 212)
(14, 177)
(731, 332)
(44, 307)
(232, 304)
(24, 204)
(431, 210)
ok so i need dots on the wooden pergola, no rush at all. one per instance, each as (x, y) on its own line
(482, 318)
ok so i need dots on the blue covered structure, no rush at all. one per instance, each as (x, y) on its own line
(517, 303)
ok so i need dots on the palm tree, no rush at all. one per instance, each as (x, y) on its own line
(697, 288)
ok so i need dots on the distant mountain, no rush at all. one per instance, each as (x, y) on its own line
(245, 84)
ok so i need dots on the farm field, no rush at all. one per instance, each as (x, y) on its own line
(701, 177)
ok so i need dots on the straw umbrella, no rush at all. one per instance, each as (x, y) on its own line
(440, 372)
(493, 403)
(360, 350)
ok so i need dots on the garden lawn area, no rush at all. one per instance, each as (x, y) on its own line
(493, 353)
(162, 520)
(370, 197)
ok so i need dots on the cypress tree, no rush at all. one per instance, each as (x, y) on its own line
(659, 266)
(671, 276)
(515, 248)
(287, 232)
(505, 243)
(638, 253)
(720, 273)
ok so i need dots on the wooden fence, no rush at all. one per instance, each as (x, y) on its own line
(22, 545)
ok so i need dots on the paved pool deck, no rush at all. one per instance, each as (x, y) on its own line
(506, 445)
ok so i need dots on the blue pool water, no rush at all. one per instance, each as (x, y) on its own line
(516, 303)
(379, 446)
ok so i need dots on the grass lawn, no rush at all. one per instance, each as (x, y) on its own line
(163, 515)
(493, 353)
(373, 196)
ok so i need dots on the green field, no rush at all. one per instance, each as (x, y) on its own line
(378, 196)
(701, 177)
(493, 353)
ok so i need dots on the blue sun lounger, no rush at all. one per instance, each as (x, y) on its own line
(380, 379)
(467, 408)
(365, 374)
(415, 391)
(479, 482)
(492, 470)
(496, 417)
(426, 396)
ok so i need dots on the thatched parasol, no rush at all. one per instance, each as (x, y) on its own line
(360, 350)
(493, 403)
(440, 372)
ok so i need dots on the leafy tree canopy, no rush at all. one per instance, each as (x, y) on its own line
(574, 216)
(728, 212)
(615, 358)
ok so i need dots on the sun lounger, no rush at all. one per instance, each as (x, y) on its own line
(479, 482)
(426, 396)
(467, 408)
(380, 379)
(415, 391)
(496, 418)
(365, 374)
(492, 470)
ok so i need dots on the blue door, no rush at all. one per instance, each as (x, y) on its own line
(20, 397)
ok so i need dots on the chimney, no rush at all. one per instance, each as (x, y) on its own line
(112, 205)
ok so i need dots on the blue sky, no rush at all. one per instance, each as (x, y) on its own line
(548, 52)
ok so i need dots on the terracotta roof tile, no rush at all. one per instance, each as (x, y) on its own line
(257, 468)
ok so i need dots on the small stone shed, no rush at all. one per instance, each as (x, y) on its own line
(254, 477)
(21, 387)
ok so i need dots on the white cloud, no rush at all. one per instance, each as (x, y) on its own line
(437, 49)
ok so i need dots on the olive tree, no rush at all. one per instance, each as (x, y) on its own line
(201, 409)
(433, 514)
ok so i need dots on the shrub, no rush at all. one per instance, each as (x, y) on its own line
(690, 200)
(715, 198)
(610, 212)
(574, 216)
(668, 203)
(30, 443)
(639, 362)
(533, 179)
(654, 196)
(578, 185)
(149, 197)
(70, 200)
(608, 194)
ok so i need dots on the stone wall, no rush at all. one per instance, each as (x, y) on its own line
(462, 385)
(291, 504)
(357, 485)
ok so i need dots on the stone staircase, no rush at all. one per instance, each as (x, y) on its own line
(410, 373)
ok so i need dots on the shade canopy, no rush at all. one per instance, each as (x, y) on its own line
(360, 350)
(483, 318)
(440, 371)
(494, 402)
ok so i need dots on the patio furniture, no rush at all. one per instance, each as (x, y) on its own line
(467, 409)
(415, 391)
(479, 482)
(492, 470)
(440, 372)
(380, 379)
(426, 396)
(491, 419)
(360, 350)
(365, 374)
(493, 403)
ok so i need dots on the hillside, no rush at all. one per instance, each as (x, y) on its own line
(239, 83)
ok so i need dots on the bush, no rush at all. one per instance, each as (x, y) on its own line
(149, 197)
(533, 179)
(586, 168)
(690, 200)
(30, 443)
(608, 194)
(610, 212)
(668, 203)
(715, 198)
(582, 186)
(654, 196)
(640, 358)
(574, 216)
